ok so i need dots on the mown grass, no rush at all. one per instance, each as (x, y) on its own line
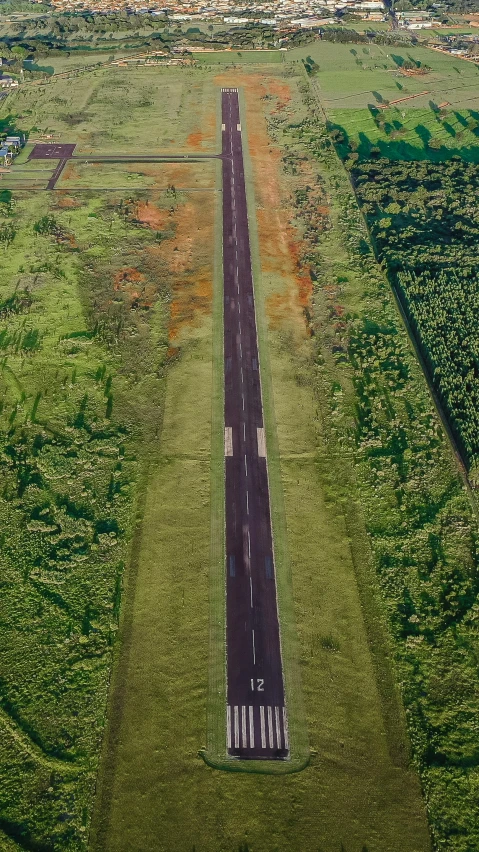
(407, 134)
(110, 110)
(238, 57)
(157, 793)
(354, 76)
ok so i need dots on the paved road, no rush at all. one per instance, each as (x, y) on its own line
(256, 725)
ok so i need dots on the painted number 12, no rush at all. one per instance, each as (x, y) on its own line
(259, 684)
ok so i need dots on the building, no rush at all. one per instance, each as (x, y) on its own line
(5, 155)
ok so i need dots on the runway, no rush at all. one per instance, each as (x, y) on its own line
(256, 718)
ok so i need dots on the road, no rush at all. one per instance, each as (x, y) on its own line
(256, 722)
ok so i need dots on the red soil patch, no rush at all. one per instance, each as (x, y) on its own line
(126, 277)
(187, 258)
(66, 202)
(279, 244)
(195, 140)
(151, 215)
(70, 172)
(131, 284)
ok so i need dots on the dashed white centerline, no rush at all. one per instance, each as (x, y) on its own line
(245, 466)
(244, 431)
(251, 591)
(247, 503)
(254, 649)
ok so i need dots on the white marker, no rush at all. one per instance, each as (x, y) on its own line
(270, 727)
(278, 729)
(263, 732)
(236, 727)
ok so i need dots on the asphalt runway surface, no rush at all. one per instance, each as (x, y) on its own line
(256, 721)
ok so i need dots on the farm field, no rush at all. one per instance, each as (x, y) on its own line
(353, 76)
(109, 319)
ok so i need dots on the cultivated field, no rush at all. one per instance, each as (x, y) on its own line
(352, 76)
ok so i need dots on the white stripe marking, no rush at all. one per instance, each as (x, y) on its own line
(251, 728)
(254, 650)
(278, 729)
(228, 726)
(251, 592)
(270, 727)
(247, 503)
(244, 741)
(236, 727)
(263, 732)
(245, 464)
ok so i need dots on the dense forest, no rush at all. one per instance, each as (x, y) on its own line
(425, 221)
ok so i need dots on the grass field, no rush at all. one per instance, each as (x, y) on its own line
(239, 57)
(356, 84)
(110, 110)
(156, 790)
(136, 271)
(354, 76)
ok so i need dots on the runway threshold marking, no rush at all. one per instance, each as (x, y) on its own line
(255, 688)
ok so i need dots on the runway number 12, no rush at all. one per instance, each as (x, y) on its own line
(259, 684)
